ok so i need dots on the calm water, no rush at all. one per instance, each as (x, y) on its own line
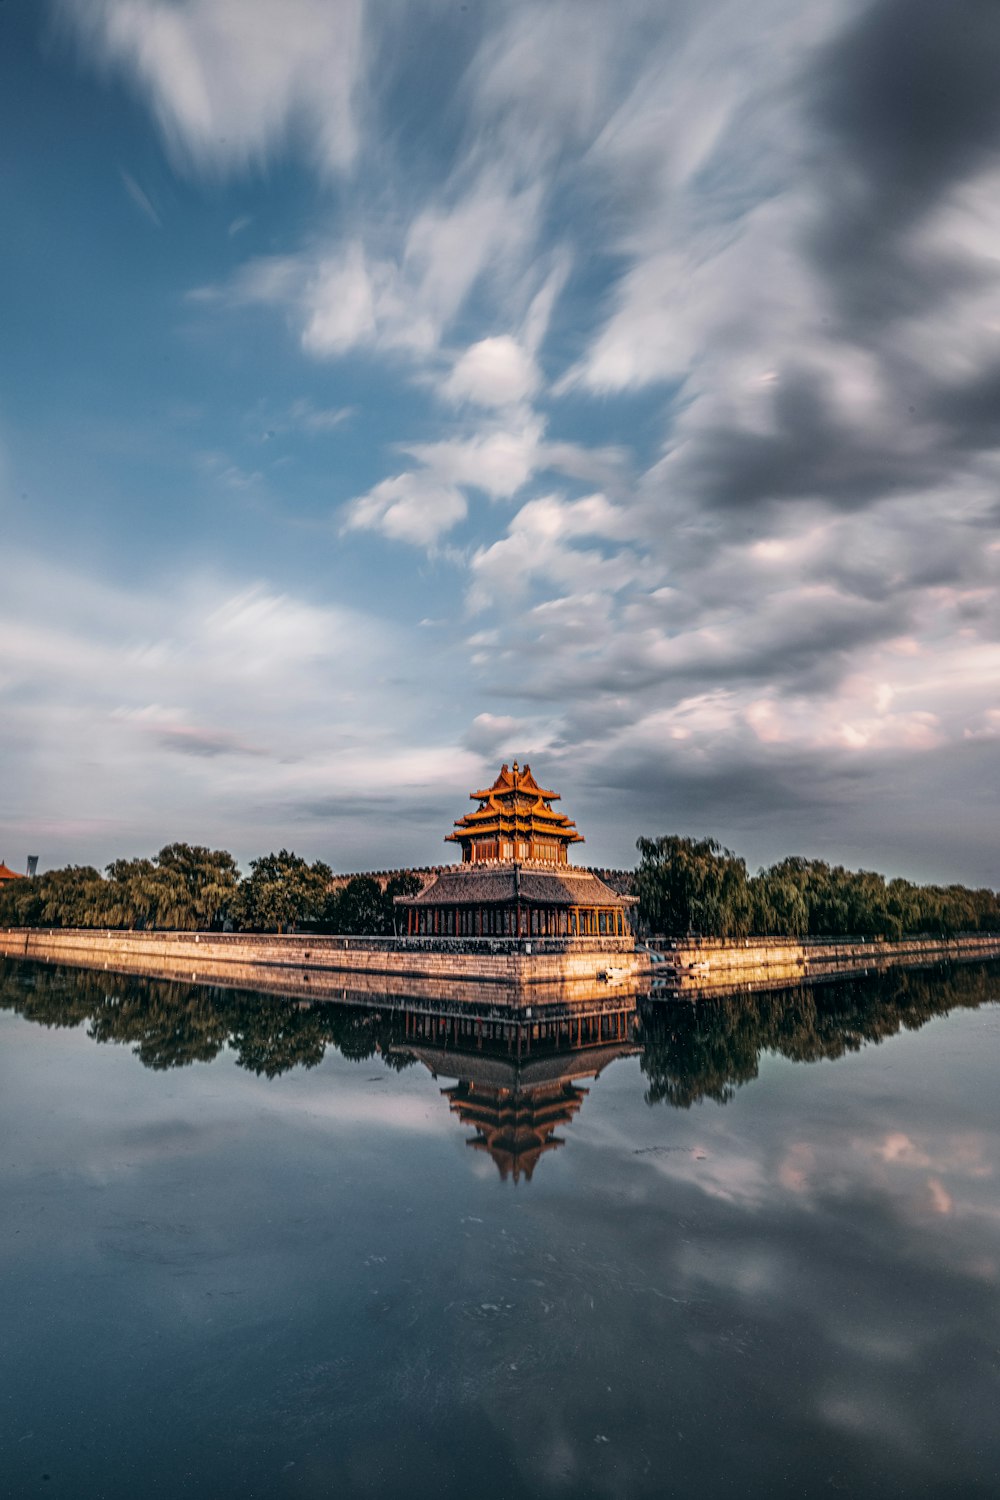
(248, 1250)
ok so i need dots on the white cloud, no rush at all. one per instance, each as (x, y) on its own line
(227, 80)
(341, 303)
(198, 708)
(502, 735)
(378, 288)
(495, 372)
(499, 458)
(539, 544)
(413, 507)
(419, 506)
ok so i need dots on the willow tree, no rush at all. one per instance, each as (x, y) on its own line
(692, 886)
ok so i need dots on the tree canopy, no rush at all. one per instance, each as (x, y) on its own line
(185, 886)
(283, 891)
(695, 886)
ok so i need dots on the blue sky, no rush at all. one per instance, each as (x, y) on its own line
(389, 391)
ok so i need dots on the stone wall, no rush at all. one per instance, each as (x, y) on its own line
(618, 880)
(517, 970)
(703, 965)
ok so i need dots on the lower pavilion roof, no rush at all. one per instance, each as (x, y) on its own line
(534, 883)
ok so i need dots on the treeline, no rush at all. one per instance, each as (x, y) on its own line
(187, 887)
(683, 885)
(697, 886)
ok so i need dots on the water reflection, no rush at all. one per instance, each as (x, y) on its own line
(515, 1108)
(709, 1049)
(518, 1079)
(304, 1282)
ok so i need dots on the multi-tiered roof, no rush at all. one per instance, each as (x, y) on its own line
(515, 879)
(514, 821)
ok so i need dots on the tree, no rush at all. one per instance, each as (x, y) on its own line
(361, 907)
(691, 885)
(282, 891)
(778, 904)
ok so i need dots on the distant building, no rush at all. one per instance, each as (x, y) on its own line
(515, 879)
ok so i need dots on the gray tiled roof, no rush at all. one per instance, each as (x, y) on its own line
(481, 885)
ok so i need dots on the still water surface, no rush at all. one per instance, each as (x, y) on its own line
(251, 1249)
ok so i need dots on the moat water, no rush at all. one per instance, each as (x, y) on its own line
(255, 1249)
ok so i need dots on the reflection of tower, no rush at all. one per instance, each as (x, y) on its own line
(515, 1127)
(516, 1108)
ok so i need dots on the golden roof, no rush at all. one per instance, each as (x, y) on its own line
(515, 805)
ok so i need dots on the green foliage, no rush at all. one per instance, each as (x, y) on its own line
(363, 908)
(692, 885)
(696, 886)
(360, 907)
(185, 887)
(283, 891)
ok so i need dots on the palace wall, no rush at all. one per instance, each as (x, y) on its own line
(701, 966)
(504, 972)
(516, 971)
(619, 880)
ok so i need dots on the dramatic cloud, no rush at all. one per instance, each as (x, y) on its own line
(649, 358)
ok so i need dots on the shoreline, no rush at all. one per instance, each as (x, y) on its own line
(696, 967)
(513, 972)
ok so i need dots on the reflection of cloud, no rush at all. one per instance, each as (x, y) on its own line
(382, 1108)
(941, 1200)
(899, 1147)
(795, 1170)
(964, 1154)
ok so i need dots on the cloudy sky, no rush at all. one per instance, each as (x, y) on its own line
(389, 390)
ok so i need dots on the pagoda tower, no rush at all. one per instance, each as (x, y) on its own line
(514, 820)
(515, 879)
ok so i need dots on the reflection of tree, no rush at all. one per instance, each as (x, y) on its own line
(171, 1025)
(708, 1049)
(690, 1051)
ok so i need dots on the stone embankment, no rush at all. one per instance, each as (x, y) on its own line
(513, 972)
(705, 966)
(517, 970)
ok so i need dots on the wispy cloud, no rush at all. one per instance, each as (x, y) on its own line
(669, 336)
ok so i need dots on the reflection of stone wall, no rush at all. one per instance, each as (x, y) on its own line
(704, 965)
(515, 969)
